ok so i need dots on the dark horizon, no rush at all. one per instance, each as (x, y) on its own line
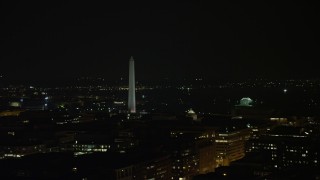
(90, 80)
(176, 40)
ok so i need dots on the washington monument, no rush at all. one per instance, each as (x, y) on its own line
(132, 88)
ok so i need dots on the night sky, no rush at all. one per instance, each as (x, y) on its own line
(213, 40)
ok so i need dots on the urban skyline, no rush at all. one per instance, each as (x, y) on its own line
(191, 90)
(181, 132)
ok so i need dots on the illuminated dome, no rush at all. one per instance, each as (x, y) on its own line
(192, 114)
(246, 101)
(190, 111)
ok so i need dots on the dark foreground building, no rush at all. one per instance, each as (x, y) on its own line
(93, 166)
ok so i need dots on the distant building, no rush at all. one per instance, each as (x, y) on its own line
(15, 104)
(18, 151)
(10, 113)
(246, 101)
(87, 143)
(287, 146)
(191, 114)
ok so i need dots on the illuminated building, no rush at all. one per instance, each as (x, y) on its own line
(90, 142)
(246, 101)
(286, 147)
(230, 146)
(80, 149)
(20, 151)
(191, 114)
(10, 113)
(15, 104)
(132, 89)
(193, 152)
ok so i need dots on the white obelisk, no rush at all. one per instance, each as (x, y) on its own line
(132, 88)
